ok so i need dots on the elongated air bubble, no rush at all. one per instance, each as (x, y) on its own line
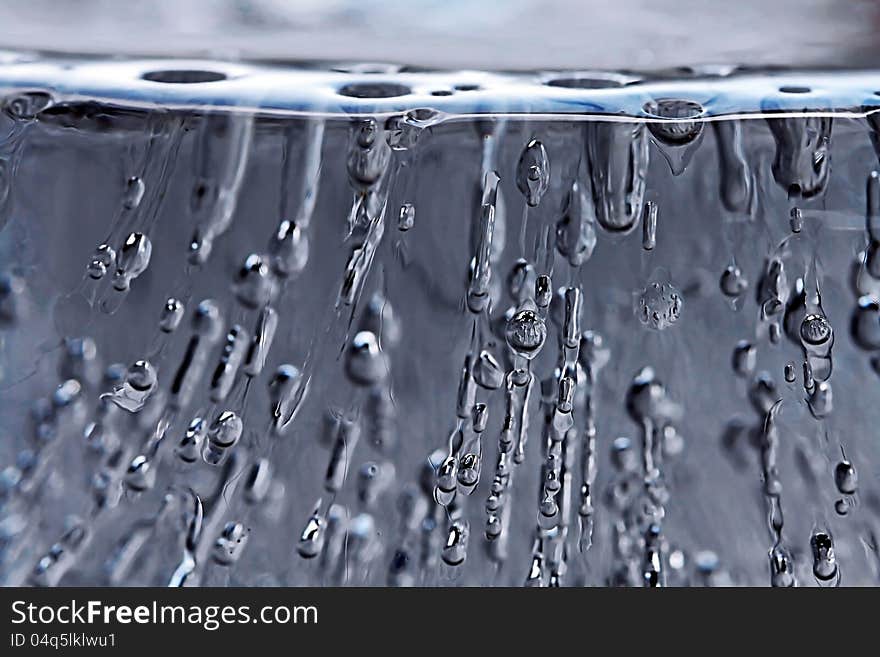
(617, 154)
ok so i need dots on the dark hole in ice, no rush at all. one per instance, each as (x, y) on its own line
(180, 76)
(791, 89)
(467, 87)
(441, 92)
(422, 114)
(592, 81)
(374, 90)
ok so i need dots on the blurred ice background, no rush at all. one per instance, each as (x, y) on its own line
(511, 34)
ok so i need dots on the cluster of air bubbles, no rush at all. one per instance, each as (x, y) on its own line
(659, 305)
(846, 480)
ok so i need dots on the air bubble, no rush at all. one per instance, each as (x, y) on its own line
(230, 544)
(287, 388)
(815, 329)
(172, 314)
(802, 162)
(455, 549)
(821, 400)
(845, 478)
(102, 260)
(261, 343)
(781, 568)
(406, 217)
(223, 434)
(254, 285)
(865, 324)
(733, 283)
(132, 260)
(824, 560)
(675, 129)
(365, 363)
(140, 382)
(762, 394)
(381, 320)
(646, 399)
(373, 480)
(526, 332)
(208, 320)
(259, 481)
(543, 291)
(134, 193)
(288, 249)
(576, 231)
(311, 541)
(141, 475)
(190, 447)
(796, 221)
(649, 226)
(488, 373)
